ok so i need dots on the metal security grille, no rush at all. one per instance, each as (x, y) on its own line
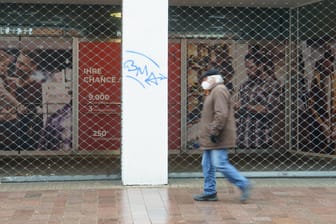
(60, 112)
(277, 59)
(60, 91)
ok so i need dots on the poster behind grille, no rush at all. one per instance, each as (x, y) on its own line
(99, 96)
(35, 104)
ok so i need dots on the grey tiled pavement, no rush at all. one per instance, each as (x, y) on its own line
(273, 201)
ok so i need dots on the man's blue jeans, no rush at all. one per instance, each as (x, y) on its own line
(217, 160)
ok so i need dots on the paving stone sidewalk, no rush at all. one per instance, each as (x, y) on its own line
(273, 201)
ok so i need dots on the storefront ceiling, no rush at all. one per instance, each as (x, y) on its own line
(240, 3)
(245, 3)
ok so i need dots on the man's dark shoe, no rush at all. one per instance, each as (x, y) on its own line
(246, 191)
(205, 197)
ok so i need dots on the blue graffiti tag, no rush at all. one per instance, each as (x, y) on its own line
(147, 74)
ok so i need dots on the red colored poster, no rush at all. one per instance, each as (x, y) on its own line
(99, 96)
(174, 96)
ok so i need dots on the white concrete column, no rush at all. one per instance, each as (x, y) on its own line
(144, 149)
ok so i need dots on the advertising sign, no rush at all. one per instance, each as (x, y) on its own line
(99, 96)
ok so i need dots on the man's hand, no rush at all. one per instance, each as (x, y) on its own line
(257, 108)
(213, 138)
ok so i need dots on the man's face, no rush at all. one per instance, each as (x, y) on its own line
(328, 66)
(4, 66)
(24, 66)
(4, 62)
(251, 68)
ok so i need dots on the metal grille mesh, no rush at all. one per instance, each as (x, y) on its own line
(273, 60)
(64, 120)
(60, 105)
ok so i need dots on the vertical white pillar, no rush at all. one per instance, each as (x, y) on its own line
(144, 150)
